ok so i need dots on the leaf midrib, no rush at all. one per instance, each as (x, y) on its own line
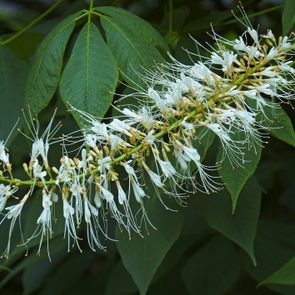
(87, 63)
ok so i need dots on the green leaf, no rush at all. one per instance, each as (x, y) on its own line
(275, 255)
(241, 226)
(142, 256)
(272, 251)
(277, 121)
(283, 276)
(194, 230)
(235, 178)
(213, 269)
(120, 282)
(288, 18)
(280, 125)
(13, 75)
(135, 25)
(45, 73)
(90, 76)
(132, 41)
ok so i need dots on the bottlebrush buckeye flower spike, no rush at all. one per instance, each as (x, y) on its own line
(154, 144)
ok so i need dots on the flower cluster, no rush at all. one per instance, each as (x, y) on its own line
(153, 144)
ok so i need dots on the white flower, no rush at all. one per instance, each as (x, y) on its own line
(3, 201)
(77, 190)
(104, 164)
(100, 130)
(85, 159)
(231, 149)
(138, 191)
(147, 119)
(130, 114)
(190, 84)
(92, 223)
(14, 212)
(122, 198)
(38, 172)
(70, 229)
(285, 45)
(268, 72)
(219, 131)
(188, 126)
(155, 178)
(120, 126)
(150, 138)
(116, 141)
(286, 68)
(66, 171)
(167, 168)
(240, 45)
(181, 159)
(226, 60)
(109, 197)
(45, 221)
(6, 190)
(253, 52)
(41, 143)
(241, 119)
(208, 184)
(247, 118)
(4, 157)
(200, 71)
(97, 200)
(160, 103)
(40, 147)
(266, 89)
(272, 53)
(192, 154)
(269, 35)
(91, 140)
(130, 171)
(254, 35)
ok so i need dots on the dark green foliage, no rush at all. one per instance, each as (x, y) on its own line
(135, 43)
(238, 241)
(90, 76)
(46, 69)
(13, 75)
(142, 256)
(239, 226)
(233, 176)
(216, 261)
